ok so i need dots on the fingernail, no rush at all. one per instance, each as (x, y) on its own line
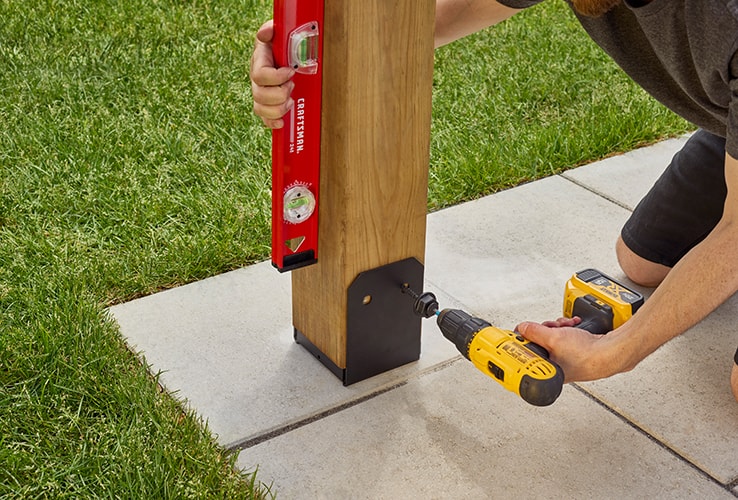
(290, 102)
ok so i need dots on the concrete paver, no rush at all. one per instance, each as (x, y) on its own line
(508, 256)
(437, 428)
(226, 345)
(626, 178)
(681, 394)
(451, 434)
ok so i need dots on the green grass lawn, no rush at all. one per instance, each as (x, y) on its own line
(131, 162)
(530, 98)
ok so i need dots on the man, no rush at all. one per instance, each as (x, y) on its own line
(683, 236)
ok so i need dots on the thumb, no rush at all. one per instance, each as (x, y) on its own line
(535, 332)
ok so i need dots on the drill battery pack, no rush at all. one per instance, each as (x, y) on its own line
(298, 43)
(601, 302)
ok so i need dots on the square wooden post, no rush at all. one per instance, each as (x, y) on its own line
(376, 115)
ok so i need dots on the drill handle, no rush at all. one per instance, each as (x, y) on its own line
(599, 324)
(540, 350)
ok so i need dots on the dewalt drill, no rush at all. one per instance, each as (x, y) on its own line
(521, 366)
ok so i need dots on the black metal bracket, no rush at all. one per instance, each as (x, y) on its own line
(383, 331)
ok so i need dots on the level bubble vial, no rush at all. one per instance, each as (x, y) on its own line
(304, 48)
(299, 204)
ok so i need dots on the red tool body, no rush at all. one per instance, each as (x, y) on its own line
(298, 43)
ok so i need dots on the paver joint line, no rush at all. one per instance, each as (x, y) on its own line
(253, 441)
(728, 487)
(595, 192)
(258, 439)
(734, 484)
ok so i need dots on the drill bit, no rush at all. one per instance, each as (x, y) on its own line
(425, 304)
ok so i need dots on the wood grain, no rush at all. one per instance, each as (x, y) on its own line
(377, 84)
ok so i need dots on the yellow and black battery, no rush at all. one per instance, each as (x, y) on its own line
(602, 303)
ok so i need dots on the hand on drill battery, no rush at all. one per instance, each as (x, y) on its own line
(580, 354)
(270, 86)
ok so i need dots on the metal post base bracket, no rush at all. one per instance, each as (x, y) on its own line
(383, 332)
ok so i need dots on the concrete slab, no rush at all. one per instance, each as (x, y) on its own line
(506, 272)
(451, 434)
(681, 394)
(507, 257)
(225, 344)
(438, 428)
(626, 178)
(689, 376)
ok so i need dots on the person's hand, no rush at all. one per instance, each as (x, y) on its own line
(581, 355)
(562, 322)
(270, 86)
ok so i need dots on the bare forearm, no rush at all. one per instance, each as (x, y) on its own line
(698, 284)
(457, 18)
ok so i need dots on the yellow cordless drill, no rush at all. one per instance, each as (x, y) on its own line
(517, 364)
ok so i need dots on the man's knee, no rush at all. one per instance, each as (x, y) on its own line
(734, 381)
(638, 269)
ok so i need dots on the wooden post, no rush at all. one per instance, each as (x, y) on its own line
(377, 83)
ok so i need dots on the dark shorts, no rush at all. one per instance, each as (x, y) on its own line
(683, 206)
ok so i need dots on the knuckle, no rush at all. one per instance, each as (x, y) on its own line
(268, 112)
(284, 93)
(255, 91)
(272, 124)
(262, 111)
(258, 77)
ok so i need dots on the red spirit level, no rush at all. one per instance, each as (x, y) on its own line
(298, 43)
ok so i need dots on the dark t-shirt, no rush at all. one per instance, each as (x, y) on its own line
(683, 52)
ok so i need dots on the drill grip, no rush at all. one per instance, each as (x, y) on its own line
(596, 315)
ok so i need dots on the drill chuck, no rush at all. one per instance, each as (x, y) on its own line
(460, 328)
